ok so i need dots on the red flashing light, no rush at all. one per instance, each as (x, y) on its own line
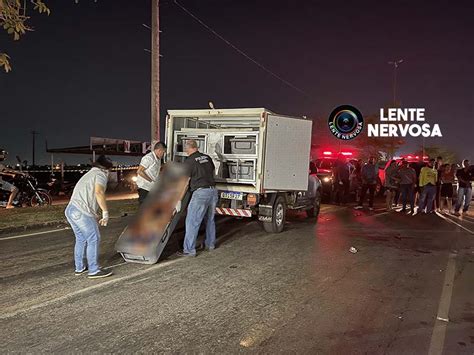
(346, 153)
(327, 153)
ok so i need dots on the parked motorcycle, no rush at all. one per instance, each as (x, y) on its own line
(56, 188)
(28, 195)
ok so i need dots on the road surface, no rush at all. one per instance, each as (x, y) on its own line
(408, 289)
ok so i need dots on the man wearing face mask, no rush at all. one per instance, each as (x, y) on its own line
(81, 213)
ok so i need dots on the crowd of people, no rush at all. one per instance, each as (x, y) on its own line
(418, 187)
(89, 195)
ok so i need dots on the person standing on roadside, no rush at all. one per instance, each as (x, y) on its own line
(447, 181)
(149, 170)
(439, 168)
(342, 179)
(465, 178)
(204, 198)
(407, 177)
(391, 183)
(428, 181)
(369, 176)
(81, 213)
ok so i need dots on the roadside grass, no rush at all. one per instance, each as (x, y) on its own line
(26, 217)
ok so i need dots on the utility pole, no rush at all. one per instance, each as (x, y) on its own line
(395, 64)
(34, 134)
(155, 70)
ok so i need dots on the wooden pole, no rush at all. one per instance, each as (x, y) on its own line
(155, 71)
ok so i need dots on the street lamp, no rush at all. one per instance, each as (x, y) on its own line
(395, 64)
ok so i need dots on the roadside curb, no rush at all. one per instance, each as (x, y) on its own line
(55, 224)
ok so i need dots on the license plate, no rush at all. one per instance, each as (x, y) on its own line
(232, 195)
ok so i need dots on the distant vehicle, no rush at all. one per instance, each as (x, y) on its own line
(325, 166)
(262, 160)
(28, 195)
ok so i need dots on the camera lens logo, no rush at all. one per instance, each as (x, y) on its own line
(345, 122)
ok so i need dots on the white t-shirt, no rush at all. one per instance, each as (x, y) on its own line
(152, 166)
(83, 196)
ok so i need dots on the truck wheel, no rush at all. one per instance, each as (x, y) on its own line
(278, 217)
(314, 211)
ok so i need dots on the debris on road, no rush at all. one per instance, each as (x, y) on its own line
(353, 250)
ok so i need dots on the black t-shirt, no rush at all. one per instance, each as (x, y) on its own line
(465, 175)
(201, 170)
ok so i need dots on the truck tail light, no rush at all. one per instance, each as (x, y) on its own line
(252, 199)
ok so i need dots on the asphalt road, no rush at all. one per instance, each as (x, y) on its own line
(408, 289)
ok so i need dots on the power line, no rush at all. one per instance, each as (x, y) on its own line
(241, 52)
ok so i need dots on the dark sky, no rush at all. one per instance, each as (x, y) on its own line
(84, 72)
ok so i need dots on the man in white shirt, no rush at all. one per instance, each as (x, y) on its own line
(81, 213)
(149, 170)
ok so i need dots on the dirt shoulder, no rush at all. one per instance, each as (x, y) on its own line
(19, 219)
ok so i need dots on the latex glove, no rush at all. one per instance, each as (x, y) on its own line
(105, 218)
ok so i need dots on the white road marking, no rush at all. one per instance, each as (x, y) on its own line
(36, 233)
(119, 264)
(453, 222)
(442, 318)
(111, 281)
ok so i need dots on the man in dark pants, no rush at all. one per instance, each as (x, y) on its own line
(203, 201)
(465, 177)
(369, 182)
(439, 168)
(149, 170)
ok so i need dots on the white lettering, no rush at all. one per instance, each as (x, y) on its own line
(384, 130)
(373, 130)
(393, 130)
(382, 118)
(426, 130)
(420, 116)
(412, 130)
(436, 131)
(403, 129)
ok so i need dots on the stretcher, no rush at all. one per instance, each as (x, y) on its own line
(145, 238)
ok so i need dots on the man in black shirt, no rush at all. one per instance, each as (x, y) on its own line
(465, 177)
(203, 201)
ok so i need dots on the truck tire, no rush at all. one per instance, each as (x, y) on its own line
(278, 217)
(314, 211)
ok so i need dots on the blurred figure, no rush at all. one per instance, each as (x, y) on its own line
(428, 180)
(149, 170)
(391, 184)
(81, 213)
(465, 178)
(369, 176)
(447, 180)
(341, 179)
(355, 178)
(203, 201)
(407, 178)
(4, 185)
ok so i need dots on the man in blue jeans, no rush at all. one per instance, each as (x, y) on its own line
(428, 180)
(81, 213)
(465, 178)
(203, 201)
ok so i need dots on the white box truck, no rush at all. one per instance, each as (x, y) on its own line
(262, 160)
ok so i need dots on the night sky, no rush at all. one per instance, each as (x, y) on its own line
(84, 71)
